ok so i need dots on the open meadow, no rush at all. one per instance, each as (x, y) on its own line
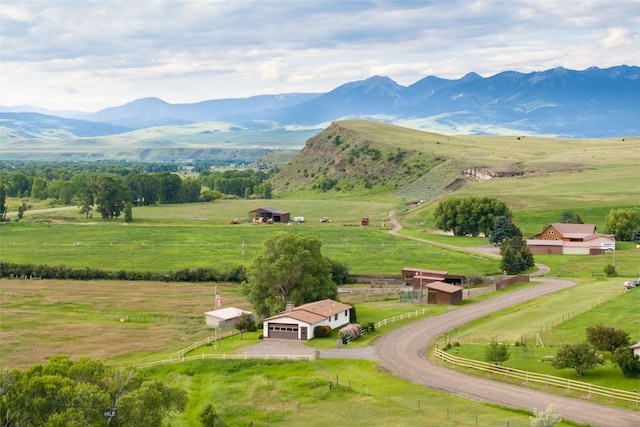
(199, 235)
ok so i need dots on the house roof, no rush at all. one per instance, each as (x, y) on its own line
(635, 346)
(313, 312)
(226, 313)
(302, 316)
(444, 287)
(270, 210)
(325, 307)
(574, 230)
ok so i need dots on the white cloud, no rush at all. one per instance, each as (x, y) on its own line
(90, 55)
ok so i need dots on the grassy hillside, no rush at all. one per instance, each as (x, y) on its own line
(361, 158)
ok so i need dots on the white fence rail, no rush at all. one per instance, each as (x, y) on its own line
(549, 380)
(395, 319)
(204, 356)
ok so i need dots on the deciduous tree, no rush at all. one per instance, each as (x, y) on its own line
(627, 361)
(546, 418)
(3, 203)
(622, 222)
(292, 268)
(111, 196)
(607, 338)
(570, 217)
(66, 393)
(245, 323)
(496, 353)
(580, 356)
(469, 214)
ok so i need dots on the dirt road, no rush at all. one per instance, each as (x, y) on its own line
(402, 353)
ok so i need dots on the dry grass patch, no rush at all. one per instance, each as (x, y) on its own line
(39, 318)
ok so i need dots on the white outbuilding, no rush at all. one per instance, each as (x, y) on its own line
(224, 317)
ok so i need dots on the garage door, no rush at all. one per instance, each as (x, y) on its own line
(283, 331)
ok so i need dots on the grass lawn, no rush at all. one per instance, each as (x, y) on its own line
(293, 394)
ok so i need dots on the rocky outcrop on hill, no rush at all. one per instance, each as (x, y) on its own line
(485, 173)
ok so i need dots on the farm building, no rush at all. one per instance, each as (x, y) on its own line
(636, 349)
(443, 293)
(298, 323)
(416, 276)
(269, 214)
(224, 317)
(571, 239)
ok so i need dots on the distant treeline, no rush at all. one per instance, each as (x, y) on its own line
(29, 271)
(111, 185)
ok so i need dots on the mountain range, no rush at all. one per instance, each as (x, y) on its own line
(592, 103)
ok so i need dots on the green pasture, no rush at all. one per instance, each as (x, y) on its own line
(173, 237)
(293, 394)
(537, 316)
(548, 322)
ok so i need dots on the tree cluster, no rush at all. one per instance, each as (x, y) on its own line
(583, 356)
(240, 183)
(110, 186)
(62, 393)
(237, 274)
(470, 215)
(624, 224)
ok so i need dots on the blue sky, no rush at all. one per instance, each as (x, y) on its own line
(88, 55)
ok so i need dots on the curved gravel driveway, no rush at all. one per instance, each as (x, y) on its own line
(402, 353)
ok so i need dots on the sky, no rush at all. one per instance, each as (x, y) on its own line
(89, 55)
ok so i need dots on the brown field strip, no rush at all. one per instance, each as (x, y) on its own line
(40, 318)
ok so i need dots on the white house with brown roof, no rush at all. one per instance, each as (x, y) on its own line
(298, 323)
(571, 239)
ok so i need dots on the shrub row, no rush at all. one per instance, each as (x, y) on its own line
(237, 274)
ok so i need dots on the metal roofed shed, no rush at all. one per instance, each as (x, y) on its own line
(268, 214)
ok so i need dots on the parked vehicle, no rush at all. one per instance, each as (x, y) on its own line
(631, 284)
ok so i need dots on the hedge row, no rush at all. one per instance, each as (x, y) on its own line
(237, 274)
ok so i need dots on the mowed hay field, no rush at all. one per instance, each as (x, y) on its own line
(39, 318)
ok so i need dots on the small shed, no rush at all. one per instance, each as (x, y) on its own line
(411, 276)
(224, 317)
(636, 349)
(443, 293)
(269, 214)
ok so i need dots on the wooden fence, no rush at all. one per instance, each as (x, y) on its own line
(243, 356)
(395, 319)
(549, 380)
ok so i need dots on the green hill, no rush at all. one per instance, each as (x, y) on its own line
(362, 158)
